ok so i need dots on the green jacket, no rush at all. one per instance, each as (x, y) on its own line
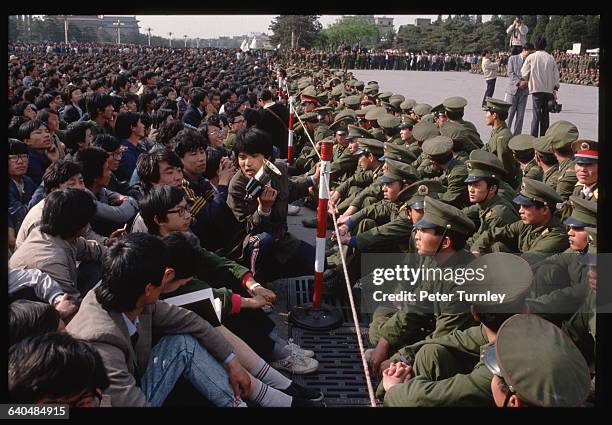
(415, 318)
(456, 189)
(533, 171)
(392, 236)
(551, 177)
(343, 165)
(566, 181)
(425, 168)
(581, 328)
(473, 389)
(496, 212)
(374, 190)
(520, 237)
(361, 179)
(472, 133)
(498, 145)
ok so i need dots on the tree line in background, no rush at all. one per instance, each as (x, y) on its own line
(454, 34)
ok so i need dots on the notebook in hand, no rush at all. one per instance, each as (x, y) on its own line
(201, 302)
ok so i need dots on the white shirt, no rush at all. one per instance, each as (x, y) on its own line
(131, 326)
(540, 69)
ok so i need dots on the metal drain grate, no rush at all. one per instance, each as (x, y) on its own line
(340, 376)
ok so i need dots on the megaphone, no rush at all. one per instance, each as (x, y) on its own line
(257, 183)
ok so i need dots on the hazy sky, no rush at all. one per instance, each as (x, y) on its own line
(212, 26)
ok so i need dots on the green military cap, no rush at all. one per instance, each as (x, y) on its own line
(384, 95)
(374, 113)
(393, 104)
(407, 123)
(363, 111)
(309, 94)
(358, 84)
(429, 118)
(423, 131)
(441, 214)
(542, 145)
(483, 164)
(497, 105)
(341, 122)
(373, 146)
(414, 195)
(370, 89)
(584, 213)
(372, 82)
(438, 146)
(337, 90)
(455, 103)
(346, 112)
(323, 97)
(395, 97)
(389, 122)
(585, 151)
(438, 110)
(302, 84)
(323, 109)
(521, 142)
(458, 133)
(397, 171)
(398, 153)
(354, 132)
(503, 273)
(534, 192)
(352, 101)
(421, 109)
(309, 117)
(321, 132)
(408, 104)
(561, 134)
(539, 362)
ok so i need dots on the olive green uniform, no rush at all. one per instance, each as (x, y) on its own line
(495, 213)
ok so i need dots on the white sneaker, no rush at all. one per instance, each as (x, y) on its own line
(299, 350)
(293, 209)
(296, 364)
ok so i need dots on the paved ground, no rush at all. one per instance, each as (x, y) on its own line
(580, 103)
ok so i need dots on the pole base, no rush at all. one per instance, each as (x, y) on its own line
(324, 318)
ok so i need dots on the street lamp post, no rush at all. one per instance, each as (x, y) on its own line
(149, 35)
(170, 34)
(118, 24)
(185, 37)
(65, 28)
(197, 42)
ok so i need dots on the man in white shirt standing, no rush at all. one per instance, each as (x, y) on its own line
(489, 70)
(518, 33)
(542, 74)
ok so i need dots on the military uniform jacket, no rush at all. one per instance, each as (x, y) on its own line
(498, 145)
(408, 323)
(425, 168)
(533, 171)
(397, 140)
(472, 133)
(582, 330)
(520, 237)
(343, 164)
(374, 190)
(456, 189)
(393, 236)
(551, 177)
(567, 179)
(496, 212)
(473, 389)
(592, 195)
(377, 133)
(413, 146)
(361, 178)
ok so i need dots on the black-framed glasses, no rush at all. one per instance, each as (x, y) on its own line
(181, 210)
(15, 158)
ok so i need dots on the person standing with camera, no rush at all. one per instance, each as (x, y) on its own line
(541, 74)
(518, 33)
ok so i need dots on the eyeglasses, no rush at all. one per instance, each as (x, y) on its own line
(217, 132)
(15, 158)
(117, 155)
(180, 210)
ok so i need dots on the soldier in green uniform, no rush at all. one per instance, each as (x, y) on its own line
(406, 107)
(546, 161)
(586, 158)
(439, 149)
(419, 110)
(537, 231)
(524, 153)
(561, 280)
(560, 135)
(389, 125)
(304, 161)
(492, 210)
(422, 132)
(372, 116)
(449, 370)
(461, 144)
(407, 138)
(352, 102)
(497, 112)
(455, 108)
(440, 241)
(535, 363)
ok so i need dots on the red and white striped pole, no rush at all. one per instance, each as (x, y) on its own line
(290, 135)
(326, 157)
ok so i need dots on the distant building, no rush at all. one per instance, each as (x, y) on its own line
(422, 22)
(384, 24)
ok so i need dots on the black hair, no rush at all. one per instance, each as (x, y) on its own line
(31, 94)
(528, 46)
(147, 75)
(491, 320)
(565, 151)
(130, 97)
(184, 254)
(59, 172)
(96, 102)
(107, 142)
(548, 158)
(92, 160)
(524, 155)
(30, 318)
(165, 91)
(144, 99)
(26, 129)
(156, 203)
(13, 127)
(54, 366)
(167, 131)
(43, 115)
(20, 107)
(16, 147)
(129, 265)
(68, 90)
(44, 101)
(213, 161)
(160, 116)
(120, 82)
(124, 123)
(540, 43)
(71, 114)
(147, 166)
(516, 50)
(66, 212)
(75, 134)
(458, 239)
(253, 141)
(265, 95)
(188, 140)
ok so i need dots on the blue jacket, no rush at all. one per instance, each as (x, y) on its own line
(192, 116)
(127, 165)
(37, 164)
(19, 204)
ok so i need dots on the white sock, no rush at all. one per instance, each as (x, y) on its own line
(267, 374)
(267, 396)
